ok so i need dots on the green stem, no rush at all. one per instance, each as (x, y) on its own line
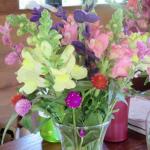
(74, 127)
(80, 148)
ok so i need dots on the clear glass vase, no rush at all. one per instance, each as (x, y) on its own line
(148, 130)
(82, 138)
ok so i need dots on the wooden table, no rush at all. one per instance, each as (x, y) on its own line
(34, 142)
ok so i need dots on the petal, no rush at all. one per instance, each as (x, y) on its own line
(79, 72)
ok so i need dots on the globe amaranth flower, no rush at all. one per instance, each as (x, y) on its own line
(16, 98)
(57, 26)
(22, 107)
(82, 16)
(82, 133)
(73, 100)
(61, 13)
(36, 14)
(99, 81)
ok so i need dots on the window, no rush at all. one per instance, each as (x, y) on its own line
(29, 4)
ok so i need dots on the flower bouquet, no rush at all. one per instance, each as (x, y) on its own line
(73, 71)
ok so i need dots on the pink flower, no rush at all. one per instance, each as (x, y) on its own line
(98, 44)
(121, 67)
(14, 56)
(133, 4)
(70, 31)
(94, 29)
(11, 58)
(119, 51)
(22, 107)
(5, 31)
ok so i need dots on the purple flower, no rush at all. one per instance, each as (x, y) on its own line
(82, 133)
(22, 107)
(91, 17)
(81, 16)
(73, 100)
(61, 13)
(86, 32)
(79, 47)
(57, 26)
(36, 14)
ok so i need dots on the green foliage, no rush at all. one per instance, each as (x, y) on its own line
(24, 24)
(116, 24)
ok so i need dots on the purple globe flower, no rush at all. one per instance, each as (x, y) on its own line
(22, 107)
(82, 133)
(73, 100)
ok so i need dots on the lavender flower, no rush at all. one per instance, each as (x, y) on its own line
(36, 14)
(61, 13)
(81, 16)
(82, 133)
(22, 107)
(73, 100)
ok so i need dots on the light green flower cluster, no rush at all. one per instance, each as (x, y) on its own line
(45, 62)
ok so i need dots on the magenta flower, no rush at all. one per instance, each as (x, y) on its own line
(82, 133)
(22, 107)
(73, 100)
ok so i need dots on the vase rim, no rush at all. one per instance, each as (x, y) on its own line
(99, 125)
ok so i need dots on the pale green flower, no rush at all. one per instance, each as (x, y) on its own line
(29, 74)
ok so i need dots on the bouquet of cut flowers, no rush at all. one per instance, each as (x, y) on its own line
(74, 71)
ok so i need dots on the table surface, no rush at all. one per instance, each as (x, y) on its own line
(34, 142)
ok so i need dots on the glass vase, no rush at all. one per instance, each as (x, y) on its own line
(82, 138)
(148, 130)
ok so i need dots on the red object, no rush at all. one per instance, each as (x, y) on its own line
(99, 81)
(16, 98)
(118, 129)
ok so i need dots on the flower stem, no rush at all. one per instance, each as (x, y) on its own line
(74, 127)
(80, 148)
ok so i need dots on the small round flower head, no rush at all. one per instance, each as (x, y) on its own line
(22, 107)
(16, 98)
(82, 133)
(73, 99)
(100, 81)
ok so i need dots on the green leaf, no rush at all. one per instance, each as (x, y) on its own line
(10, 121)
